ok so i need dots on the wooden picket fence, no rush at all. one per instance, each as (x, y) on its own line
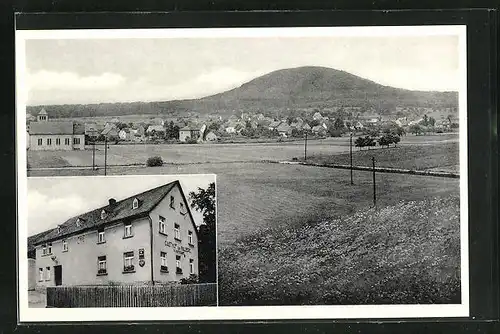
(133, 295)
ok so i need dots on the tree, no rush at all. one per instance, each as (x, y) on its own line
(415, 129)
(204, 201)
(339, 123)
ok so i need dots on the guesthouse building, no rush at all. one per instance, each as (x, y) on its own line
(147, 238)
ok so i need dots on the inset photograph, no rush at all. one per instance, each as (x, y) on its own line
(122, 241)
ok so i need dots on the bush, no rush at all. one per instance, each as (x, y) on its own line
(191, 141)
(192, 279)
(154, 161)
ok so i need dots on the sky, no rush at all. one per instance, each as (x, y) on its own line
(60, 71)
(53, 200)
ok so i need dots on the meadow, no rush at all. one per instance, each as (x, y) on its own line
(442, 157)
(212, 153)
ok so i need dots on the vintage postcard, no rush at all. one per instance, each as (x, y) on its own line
(341, 162)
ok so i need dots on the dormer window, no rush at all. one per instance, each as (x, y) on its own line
(78, 222)
(135, 203)
(103, 214)
(58, 229)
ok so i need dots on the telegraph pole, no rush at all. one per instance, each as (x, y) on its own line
(93, 155)
(374, 186)
(105, 154)
(305, 148)
(350, 154)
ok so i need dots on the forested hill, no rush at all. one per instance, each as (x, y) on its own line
(302, 87)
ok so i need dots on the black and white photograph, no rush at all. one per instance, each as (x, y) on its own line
(121, 241)
(339, 154)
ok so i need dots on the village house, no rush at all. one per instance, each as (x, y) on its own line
(47, 135)
(150, 237)
(110, 131)
(317, 116)
(92, 130)
(211, 136)
(319, 130)
(274, 124)
(124, 134)
(189, 132)
(284, 129)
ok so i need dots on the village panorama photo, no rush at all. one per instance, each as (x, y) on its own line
(341, 163)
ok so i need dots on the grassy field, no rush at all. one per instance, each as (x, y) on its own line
(401, 254)
(442, 156)
(208, 153)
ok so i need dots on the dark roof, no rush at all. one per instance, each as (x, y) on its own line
(121, 210)
(51, 128)
(190, 128)
(78, 129)
(34, 238)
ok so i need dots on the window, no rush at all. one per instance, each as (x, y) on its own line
(78, 222)
(177, 232)
(163, 262)
(135, 203)
(47, 275)
(101, 265)
(128, 230)
(39, 141)
(103, 214)
(66, 141)
(182, 209)
(65, 245)
(44, 250)
(161, 225)
(128, 262)
(191, 266)
(178, 268)
(58, 141)
(40, 274)
(49, 141)
(76, 141)
(172, 202)
(190, 237)
(49, 248)
(100, 236)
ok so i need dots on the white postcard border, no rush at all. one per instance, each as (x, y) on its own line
(27, 314)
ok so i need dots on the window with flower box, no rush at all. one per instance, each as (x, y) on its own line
(101, 265)
(128, 262)
(178, 269)
(163, 262)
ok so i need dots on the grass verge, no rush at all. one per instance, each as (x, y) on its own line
(407, 253)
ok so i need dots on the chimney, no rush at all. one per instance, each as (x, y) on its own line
(112, 202)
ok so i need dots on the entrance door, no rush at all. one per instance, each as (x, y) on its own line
(58, 274)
